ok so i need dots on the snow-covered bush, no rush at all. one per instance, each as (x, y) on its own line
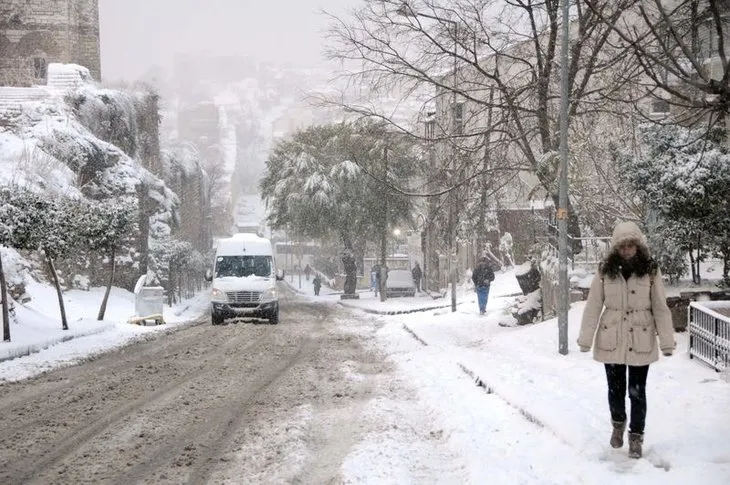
(682, 175)
(81, 282)
(178, 266)
(672, 258)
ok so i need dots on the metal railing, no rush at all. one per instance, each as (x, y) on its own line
(709, 333)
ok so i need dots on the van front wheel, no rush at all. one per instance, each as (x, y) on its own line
(274, 316)
(216, 318)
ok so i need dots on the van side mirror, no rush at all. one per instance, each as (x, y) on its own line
(280, 274)
(208, 275)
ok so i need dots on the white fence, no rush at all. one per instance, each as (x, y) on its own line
(709, 333)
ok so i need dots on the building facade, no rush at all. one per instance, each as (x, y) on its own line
(35, 33)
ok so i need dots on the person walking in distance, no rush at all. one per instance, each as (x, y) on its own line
(482, 276)
(375, 279)
(417, 275)
(626, 313)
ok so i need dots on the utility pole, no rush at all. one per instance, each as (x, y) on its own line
(382, 272)
(452, 195)
(562, 214)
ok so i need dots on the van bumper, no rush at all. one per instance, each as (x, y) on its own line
(244, 310)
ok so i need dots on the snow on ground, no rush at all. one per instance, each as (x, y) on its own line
(535, 417)
(541, 418)
(42, 345)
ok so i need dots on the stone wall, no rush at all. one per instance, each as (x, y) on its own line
(35, 33)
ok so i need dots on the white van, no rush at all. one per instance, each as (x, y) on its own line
(244, 279)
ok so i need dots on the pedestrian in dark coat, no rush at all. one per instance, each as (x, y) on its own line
(417, 275)
(482, 276)
(317, 283)
(626, 313)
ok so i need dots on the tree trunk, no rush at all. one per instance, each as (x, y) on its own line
(692, 264)
(4, 296)
(529, 281)
(102, 309)
(54, 275)
(697, 262)
(144, 227)
(699, 258)
(170, 285)
(348, 262)
(484, 184)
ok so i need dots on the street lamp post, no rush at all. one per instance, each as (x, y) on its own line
(423, 239)
(407, 11)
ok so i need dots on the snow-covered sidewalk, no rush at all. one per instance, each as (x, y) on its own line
(487, 382)
(36, 332)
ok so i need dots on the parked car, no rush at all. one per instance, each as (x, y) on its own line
(400, 283)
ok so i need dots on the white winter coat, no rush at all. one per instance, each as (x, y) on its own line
(623, 319)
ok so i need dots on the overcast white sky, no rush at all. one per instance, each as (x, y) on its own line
(137, 34)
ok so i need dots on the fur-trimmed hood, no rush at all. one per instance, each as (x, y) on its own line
(640, 265)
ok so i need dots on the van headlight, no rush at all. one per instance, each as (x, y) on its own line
(269, 295)
(217, 295)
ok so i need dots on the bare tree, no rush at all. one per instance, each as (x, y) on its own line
(681, 48)
(498, 61)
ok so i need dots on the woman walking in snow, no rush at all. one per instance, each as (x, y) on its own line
(625, 312)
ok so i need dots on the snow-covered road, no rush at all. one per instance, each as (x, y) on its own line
(331, 395)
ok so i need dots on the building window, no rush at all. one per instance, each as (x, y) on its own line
(659, 106)
(429, 126)
(458, 118)
(40, 68)
(430, 129)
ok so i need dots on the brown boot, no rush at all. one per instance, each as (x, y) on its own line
(635, 442)
(617, 437)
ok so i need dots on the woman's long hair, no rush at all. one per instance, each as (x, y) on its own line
(641, 263)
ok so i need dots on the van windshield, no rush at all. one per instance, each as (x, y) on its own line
(242, 266)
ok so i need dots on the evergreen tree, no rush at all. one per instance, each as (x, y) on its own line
(104, 227)
(683, 175)
(332, 182)
(40, 223)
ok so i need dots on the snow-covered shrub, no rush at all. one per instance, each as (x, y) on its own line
(81, 282)
(178, 266)
(682, 175)
(672, 258)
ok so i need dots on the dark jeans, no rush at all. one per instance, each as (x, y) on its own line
(482, 298)
(616, 377)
